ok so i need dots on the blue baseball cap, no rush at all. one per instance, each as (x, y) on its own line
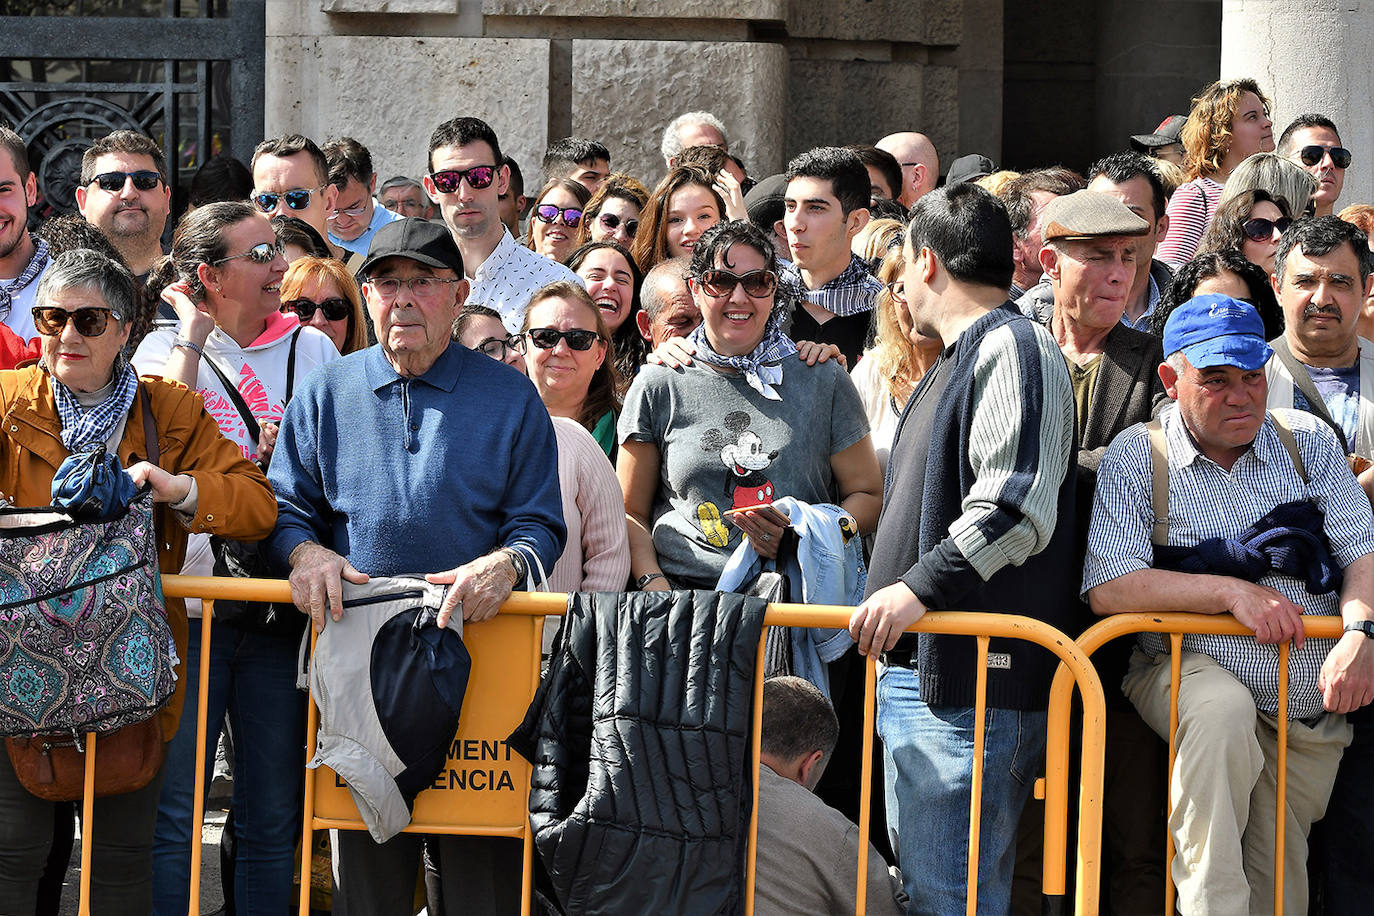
(1215, 330)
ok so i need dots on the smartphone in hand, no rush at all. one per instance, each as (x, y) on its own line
(766, 511)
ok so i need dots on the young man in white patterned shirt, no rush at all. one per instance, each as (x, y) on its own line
(1227, 473)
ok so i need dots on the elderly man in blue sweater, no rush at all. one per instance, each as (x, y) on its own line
(979, 481)
(416, 456)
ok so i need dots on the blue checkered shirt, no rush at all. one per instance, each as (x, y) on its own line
(1206, 501)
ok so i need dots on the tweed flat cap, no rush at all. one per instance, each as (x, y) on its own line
(1090, 214)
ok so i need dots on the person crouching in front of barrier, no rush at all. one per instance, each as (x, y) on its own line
(977, 515)
(82, 396)
(1257, 516)
(808, 852)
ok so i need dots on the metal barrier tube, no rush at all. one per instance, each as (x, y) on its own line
(866, 781)
(312, 724)
(1281, 780)
(1074, 668)
(87, 825)
(1175, 673)
(756, 745)
(975, 815)
(207, 607)
(1118, 625)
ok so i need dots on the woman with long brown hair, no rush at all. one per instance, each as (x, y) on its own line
(683, 206)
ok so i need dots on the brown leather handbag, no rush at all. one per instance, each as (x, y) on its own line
(53, 767)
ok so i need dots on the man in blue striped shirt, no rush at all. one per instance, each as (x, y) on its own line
(1203, 494)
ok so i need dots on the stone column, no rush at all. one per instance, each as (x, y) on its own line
(1310, 56)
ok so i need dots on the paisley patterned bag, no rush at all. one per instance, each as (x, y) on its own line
(84, 639)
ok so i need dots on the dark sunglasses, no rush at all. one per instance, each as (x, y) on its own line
(756, 283)
(296, 199)
(496, 347)
(1260, 229)
(610, 222)
(547, 213)
(1311, 155)
(144, 180)
(89, 322)
(261, 253)
(478, 177)
(334, 308)
(548, 338)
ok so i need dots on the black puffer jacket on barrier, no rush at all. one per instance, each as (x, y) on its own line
(640, 740)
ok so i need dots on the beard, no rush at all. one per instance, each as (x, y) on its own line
(130, 223)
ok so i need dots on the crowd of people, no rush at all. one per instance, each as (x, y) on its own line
(1144, 387)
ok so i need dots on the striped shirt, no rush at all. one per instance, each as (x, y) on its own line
(1206, 501)
(1190, 210)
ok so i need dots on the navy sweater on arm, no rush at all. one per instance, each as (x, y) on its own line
(416, 475)
(996, 488)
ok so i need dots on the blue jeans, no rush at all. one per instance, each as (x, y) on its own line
(928, 752)
(252, 678)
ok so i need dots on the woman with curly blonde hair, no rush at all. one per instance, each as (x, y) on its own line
(889, 372)
(1228, 122)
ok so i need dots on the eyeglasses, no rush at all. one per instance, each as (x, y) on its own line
(1312, 155)
(144, 180)
(496, 347)
(89, 322)
(296, 198)
(610, 222)
(721, 283)
(547, 213)
(548, 338)
(261, 253)
(1260, 229)
(420, 287)
(334, 308)
(351, 211)
(477, 177)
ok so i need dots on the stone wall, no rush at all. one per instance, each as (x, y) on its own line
(784, 75)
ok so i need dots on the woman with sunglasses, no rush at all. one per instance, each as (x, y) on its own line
(322, 294)
(683, 206)
(556, 218)
(1227, 273)
(1229, 121)
(570, 359)
(85, 395)
(613, 281)
(235, 347)
(705, 446)
(596, 557)
(614, 211)
(1253, 222)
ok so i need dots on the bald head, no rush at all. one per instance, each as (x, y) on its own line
(920, 163)
(668, 308)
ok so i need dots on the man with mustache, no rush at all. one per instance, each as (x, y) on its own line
(124, 194)
(1322, 277)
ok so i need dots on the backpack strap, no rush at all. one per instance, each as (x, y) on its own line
(1159, 482)
(1290, 443)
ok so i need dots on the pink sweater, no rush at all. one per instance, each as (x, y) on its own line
(597, 555)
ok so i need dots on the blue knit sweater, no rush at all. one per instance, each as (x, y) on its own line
(416, 475)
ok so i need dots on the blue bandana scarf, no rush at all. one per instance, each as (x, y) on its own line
(12, 288)
(762, 368)
(84, 429)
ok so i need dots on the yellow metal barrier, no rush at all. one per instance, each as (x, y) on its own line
(1075, 668)
(1175, 625)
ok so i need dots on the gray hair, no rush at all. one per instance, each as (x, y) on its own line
(652, 296)
(1177, 361)
(1275, 174)
(672, 143)
(84, 268)
(400, 181)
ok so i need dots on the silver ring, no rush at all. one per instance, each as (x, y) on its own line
(768, 537)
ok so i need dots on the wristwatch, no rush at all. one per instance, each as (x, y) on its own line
(517, 560)
(647, 578)
(1363, 626)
